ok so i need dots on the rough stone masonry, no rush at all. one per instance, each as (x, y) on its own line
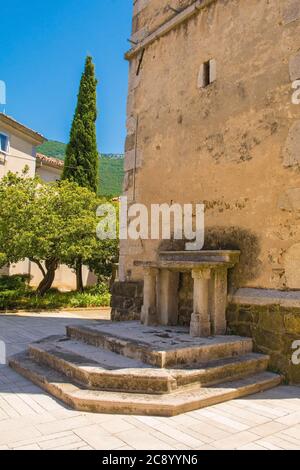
(210, 120)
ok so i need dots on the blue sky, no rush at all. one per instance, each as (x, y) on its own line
(43, 44)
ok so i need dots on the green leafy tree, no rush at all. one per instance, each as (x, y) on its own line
(81, 162)
(107, 254)
(27, 229)
(50, 224)
(80, 243)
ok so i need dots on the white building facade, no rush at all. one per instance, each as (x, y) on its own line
(18, 151)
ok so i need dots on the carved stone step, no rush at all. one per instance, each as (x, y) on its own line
(159, 346)
(96, 368)
(132, 403)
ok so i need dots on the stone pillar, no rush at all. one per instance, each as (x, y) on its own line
(219, 301)
(168, 297)
(149, 309)
(200, 321)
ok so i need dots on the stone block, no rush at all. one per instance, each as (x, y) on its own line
(231, 313)
(133, 248)
(293, 374)
(131, 125)
(139, 303)
(233, 329)
(139, 5)
(290, 200)
(279, 363)
(271, 321)
(134, 79)
(218, 301)
(184, 316)
(140, 35)
(213, 70)
(119, 315)
(291, 150)
(124, 289)
(291, 11)
(273, 328)
(292, 323)
(130, 142)
(294, 67)
(116, 301)
(266, 339)
(290, 310)
(245, 314)
(127, 300)
(135, 23)
(128, 304)
(292, 266)
(132, 160)
(128, 180)
(122, 268)
(130, 103)
(256, 312)
(244, 329)
(287, 349)
(259, 299)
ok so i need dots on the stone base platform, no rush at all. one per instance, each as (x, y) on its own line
(159, 346)
(132, 369)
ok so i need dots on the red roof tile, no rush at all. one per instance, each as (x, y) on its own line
(50, 161)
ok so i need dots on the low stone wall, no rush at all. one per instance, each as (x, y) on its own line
(127, 300)
(273, 327)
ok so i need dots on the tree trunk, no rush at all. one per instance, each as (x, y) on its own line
(40, 266)
(79, 280)
(46, 283)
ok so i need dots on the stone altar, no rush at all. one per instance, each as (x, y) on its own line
(131, 368)
(209, 271)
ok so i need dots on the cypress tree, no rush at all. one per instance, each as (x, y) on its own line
(81, 162)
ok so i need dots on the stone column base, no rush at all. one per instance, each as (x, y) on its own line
(199, 328)
(149, 316)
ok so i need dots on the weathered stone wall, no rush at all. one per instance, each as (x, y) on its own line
(148, 15)
(233, 145)
(127, 301)
(273, 329)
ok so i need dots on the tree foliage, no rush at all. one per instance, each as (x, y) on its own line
(50, 224)
(81, 162)
(111, 168)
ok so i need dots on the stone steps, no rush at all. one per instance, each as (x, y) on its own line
(129, 368)
(99, 369)
(159, 347)
(169, 404)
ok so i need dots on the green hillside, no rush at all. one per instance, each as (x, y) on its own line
(53, 149)
(111, 167)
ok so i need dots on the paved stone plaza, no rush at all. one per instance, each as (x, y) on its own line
(31, 419)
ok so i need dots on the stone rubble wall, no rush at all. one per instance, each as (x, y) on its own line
(274, 329)
(127, 301)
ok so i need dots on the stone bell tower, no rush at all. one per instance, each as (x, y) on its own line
(212, 117)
